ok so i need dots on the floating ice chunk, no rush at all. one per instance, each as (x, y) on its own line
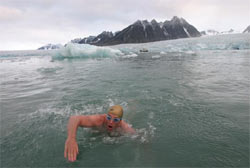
(72, 51)
(156, 56)
(190, 52)
(130, 56)
(162, 53)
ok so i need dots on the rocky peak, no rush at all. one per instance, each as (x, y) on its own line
(87, 40)
(107, 33)
(51, 47)
(138, 22)
(247, 30)
(144, 31)
(177, 20)
(154, 22)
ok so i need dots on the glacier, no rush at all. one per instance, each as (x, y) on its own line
(187, 45)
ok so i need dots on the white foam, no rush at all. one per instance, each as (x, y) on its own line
(144, 135)
(151, 115)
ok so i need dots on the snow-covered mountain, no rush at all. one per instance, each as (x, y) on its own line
(87, 40)
(77, 40)
(247, 30)
(209, 32)
(144, 31)
(50, 47)
(101, 38)
(228, 32)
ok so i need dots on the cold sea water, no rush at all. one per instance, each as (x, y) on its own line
(188, 100)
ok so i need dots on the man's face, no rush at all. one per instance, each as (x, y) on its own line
(113, 121)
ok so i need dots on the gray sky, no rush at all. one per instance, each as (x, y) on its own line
(29, 24)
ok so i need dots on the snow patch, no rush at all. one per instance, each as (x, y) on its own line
(186, 32)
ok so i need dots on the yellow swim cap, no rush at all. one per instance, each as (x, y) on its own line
(116, 110)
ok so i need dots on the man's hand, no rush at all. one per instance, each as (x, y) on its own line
(71, 149)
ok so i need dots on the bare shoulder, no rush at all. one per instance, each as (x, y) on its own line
(127, 128)
(91, 120)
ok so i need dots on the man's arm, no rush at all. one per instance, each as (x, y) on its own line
(71, 147)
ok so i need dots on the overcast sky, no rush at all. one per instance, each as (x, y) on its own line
(29, 24)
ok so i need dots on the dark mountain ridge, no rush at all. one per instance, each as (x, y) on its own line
(143, 31)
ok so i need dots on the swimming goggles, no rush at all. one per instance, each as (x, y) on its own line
(116, 120)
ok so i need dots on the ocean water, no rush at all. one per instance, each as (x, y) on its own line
(188, 100)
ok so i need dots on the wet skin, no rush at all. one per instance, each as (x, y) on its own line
(71, 147)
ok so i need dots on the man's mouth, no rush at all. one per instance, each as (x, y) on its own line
(110, 127)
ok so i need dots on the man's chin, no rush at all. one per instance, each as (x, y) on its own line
(109, 128)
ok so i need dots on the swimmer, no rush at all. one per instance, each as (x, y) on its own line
(111, 122)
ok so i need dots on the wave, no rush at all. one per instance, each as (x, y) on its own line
(72, 51)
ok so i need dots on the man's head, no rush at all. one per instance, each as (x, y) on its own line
(114, 117)
(116, 110)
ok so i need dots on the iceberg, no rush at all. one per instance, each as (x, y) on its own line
(85, 51)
